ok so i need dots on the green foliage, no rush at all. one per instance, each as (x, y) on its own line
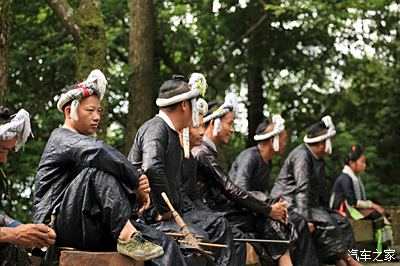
(315, 55)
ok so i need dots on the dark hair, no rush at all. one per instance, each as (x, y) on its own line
(262, 127)
(354, 154)
(316, 130)
(261, 130)
(175, 86)
(5, 115)
(212, 107)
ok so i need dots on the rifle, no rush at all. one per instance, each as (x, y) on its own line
(49, 255)
(187, 234)
(190, 242)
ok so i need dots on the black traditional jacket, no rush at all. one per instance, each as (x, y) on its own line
(218, 191)
(157, 151)
(190, 193)
(250, 172)
(302, 182)
(64, 157)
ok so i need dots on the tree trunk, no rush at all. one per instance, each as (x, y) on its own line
(87, 27)
(91, 52)
(255, 91)
(5, 29)
(142, 92)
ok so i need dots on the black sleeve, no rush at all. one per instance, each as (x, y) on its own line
(212, 168)
(302, 178)
(154, 147)
(91, 152)
(244, 171)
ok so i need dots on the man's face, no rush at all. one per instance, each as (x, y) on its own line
(226, 128)
(197, 133)
(282, 142)
(186, 114)
(5, 148)
(89, 115)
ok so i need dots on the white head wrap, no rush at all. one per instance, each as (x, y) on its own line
(230, 105)
(94, 84)
(198, 85)
(19, 127)
(327, 120)
(202, 106)
(279, 127)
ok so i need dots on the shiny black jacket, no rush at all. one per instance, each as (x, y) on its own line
(218, 191)
(250, 172)
(190, 193)
(158, 152)
(64, 157)
(302, 182)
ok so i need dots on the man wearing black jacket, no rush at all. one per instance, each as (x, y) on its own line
(250, 213)
(302, 183)
(158, 151)
(92, 188)
(251, 171)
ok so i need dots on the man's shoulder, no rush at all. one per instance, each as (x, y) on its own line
(300, 153)
(249, 153)
(154, 125)
(200, 150)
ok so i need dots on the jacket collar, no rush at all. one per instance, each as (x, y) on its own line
(209, 143)
(166, 119)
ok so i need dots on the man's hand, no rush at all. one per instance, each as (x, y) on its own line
(378, 208)
(143, 201)
(165, 217)
(279, 212)
(311, 227)
(30, 235)
(144, 184)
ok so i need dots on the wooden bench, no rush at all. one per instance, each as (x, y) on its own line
(79, 258)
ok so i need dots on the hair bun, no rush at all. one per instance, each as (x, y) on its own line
(179, 77)
(4, 113)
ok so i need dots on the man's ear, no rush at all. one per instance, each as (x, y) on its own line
(212, 122)
(185, 105)
(271, 141)
(67, 112)
(322, 145)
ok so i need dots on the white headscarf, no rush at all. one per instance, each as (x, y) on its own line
(94, 84)
(279, 127)
(327, 120)
(198, 85)
(19, 127)
(229, 105)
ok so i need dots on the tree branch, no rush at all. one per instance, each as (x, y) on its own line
(169, 62)
(235, 44)
(65, 14)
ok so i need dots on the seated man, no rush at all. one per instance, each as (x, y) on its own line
(251, 171)
(92, 188)
(302, 183)
(350, 200)
(245, 211)
(13, 234)
(215, 225)
(158, 151)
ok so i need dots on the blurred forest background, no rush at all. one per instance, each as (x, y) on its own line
(301, 58)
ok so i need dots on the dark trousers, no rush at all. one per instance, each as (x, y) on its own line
(93, 212)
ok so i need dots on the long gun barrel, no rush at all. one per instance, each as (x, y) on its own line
(187, 234)
(260, 240)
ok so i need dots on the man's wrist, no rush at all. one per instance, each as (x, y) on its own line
(7, 234)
